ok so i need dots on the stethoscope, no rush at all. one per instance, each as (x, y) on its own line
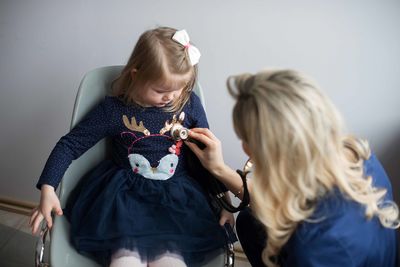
(179, 132)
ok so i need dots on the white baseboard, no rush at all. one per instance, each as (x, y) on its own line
(16, 206)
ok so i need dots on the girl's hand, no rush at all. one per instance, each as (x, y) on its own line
(226, 217)
(211, 156)
(48, 202)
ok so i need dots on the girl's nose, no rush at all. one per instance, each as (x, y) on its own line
(168, 97)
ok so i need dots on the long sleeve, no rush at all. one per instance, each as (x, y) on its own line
(343, 235)
(83, 136)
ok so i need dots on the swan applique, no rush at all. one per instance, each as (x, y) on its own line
(165, 169)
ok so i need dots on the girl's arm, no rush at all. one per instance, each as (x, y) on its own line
(211, 158)
(95, 126)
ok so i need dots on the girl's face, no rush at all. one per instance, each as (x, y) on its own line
(154, 95)
(160, 94)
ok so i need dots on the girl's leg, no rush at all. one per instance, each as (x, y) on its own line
(168, 260)
(126, 258)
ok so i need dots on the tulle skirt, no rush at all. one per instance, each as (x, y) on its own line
(114, 208)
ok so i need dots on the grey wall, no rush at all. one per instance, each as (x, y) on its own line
(351, 47)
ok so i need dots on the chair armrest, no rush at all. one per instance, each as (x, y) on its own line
(40, 246)
(230, 240)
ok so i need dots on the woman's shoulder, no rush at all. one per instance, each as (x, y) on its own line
(340, 227)
(374, 168)
(340, 236)
(335, 205)
(336, 240)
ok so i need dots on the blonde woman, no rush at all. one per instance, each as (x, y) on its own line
(321, 198)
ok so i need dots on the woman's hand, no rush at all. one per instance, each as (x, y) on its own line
(211, 156)
(48, 202)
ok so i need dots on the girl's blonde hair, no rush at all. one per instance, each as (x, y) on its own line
(156, 58)
(300, 153)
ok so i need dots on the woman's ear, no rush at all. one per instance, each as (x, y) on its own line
(246, 149)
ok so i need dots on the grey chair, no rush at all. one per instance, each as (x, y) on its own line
(94, 86)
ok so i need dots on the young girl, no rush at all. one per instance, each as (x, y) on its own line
(142, 207)
(321, 198)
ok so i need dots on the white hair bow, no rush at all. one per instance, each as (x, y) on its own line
(182, 37)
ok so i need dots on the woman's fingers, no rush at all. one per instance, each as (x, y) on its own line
(205, 136)
(200, 137)
(203, 131)
(196, 150)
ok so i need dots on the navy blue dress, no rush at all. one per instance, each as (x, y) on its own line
(144, 198)
(343, 238)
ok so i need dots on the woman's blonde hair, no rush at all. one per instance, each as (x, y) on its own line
(300, 153)
(156, 58)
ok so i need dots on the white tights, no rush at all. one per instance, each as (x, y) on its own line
(128, 258)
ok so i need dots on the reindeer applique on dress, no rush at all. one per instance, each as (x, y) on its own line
(167, 164)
